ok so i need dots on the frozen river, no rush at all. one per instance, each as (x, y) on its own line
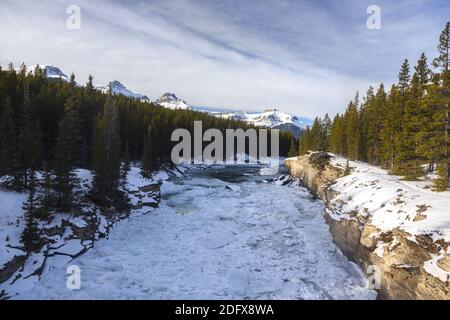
(256, 241)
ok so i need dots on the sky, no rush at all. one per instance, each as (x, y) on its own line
(307, 58)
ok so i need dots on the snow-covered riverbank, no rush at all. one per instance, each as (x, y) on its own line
(400, 227)
(254, 240)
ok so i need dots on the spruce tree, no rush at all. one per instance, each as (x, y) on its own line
(338, 140)
(67, 154)
(408, 157)
(47, 201)
(72, 80)
(441, 117)
(442, 61)
(90, 84)
(8, 144)
(422, 72)
(326, 131)
(415, 122)
(293, 152)
(148, 161)
(304, 141)
(404, 79)
(30, 236)
(352, 131)
(126, 165)
(29, 144)
(390, 129)
(373, 112)
(106, 153)
(442, 181)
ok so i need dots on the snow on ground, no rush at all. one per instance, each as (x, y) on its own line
(11, 224)
(61, 248)
(392, 202)
(207, 241)
(389, 203)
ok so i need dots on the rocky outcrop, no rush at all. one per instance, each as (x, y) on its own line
(11, 267)
(396, 257)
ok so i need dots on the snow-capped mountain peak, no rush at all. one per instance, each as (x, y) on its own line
(51, 72)
(273, 117)
(118, 88)
(269, 118)
(171, 101)
(54, 72)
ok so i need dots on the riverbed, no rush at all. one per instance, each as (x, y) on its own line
(219, 233)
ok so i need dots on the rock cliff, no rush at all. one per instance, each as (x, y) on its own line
(400, 260)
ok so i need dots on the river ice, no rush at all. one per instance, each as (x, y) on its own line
(252, 240)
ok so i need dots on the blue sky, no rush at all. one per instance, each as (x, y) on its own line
(304, 57)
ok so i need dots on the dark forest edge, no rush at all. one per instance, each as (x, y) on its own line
(403, 130)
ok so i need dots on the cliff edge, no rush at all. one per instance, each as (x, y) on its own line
(397, 231)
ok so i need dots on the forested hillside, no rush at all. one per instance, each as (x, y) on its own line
(51, 127)
(404, 128)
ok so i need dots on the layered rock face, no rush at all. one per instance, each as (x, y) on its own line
(400, 260)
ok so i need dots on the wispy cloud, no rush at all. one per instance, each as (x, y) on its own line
(305, 57)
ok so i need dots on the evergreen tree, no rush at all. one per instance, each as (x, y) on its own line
(373, 112)
(422, 72)
(29, 144)
(90, 84)
(442, 61)
(106, 153)
(442, 181)
(72, 82)
(326, 131)
(8, 142)
(338, 138)
(352, 131)
(404, 79)
(408, 157)
(441, 117)
(293, 152)
(148, 158)
(88, 112)
(390, 129)
(317, 140)
(48, 200)
(30, 236)
(67, 154)
(126, 165)
(304, 142)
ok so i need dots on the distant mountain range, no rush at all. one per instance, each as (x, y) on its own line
(269, 118)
